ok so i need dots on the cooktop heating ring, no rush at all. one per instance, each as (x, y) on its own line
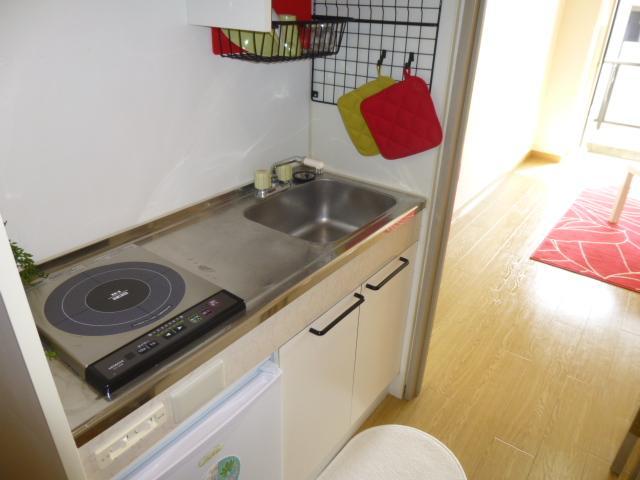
(114, 298)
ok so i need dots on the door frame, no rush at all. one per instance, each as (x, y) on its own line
(459, 99)
(602, 52)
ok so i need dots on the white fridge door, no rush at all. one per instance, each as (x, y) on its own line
(240, 439)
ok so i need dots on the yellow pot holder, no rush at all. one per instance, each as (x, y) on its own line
(349, 106)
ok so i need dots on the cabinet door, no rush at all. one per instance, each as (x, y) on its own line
(317, 374)
(381, 331)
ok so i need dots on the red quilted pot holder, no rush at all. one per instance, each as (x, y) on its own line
(402, 118)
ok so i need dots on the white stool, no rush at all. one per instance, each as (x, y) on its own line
(632, 169)
(394, 452)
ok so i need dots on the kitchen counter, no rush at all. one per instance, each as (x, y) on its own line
(267, 268)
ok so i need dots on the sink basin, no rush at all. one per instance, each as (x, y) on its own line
(321, 211)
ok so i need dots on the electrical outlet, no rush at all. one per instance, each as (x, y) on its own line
(119, 444)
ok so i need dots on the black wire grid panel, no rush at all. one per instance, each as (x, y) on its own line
(397, 27)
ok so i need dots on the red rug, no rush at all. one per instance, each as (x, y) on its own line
(585, 242)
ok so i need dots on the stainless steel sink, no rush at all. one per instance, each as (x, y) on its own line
(321, 211)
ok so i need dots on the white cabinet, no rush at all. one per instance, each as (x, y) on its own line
(317, 367)
(239, 14)
(381, 331)
(335, 369)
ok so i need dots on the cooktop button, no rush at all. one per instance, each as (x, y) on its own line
(143, 349)
(169, 334)
(152, 344)
(179, 328)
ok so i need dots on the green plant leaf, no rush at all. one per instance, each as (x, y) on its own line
(29, 271)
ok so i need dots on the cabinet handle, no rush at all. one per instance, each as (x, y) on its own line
(326, 329)
(404, 261)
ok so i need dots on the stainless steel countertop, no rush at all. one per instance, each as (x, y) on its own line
(267, 268)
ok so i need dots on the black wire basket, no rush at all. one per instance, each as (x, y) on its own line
(287, 41)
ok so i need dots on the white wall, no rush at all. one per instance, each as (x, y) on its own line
(36, 438)
(512, 65)
(330, 141)
(115, 112)
(574, 65)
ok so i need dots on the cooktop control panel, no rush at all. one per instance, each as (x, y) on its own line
(116, 369)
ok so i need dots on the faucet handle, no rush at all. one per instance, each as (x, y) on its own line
(284, 172)
(262, 180)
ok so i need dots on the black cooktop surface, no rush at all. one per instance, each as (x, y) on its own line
(114, 298)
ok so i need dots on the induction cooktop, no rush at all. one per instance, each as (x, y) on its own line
(120, 314)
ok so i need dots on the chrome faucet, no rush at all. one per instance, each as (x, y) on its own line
(274, 176)
(316, 166)
(277, 184)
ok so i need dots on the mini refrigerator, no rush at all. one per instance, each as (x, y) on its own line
(238, 438)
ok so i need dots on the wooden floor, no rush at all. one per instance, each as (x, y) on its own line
(533, 372)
